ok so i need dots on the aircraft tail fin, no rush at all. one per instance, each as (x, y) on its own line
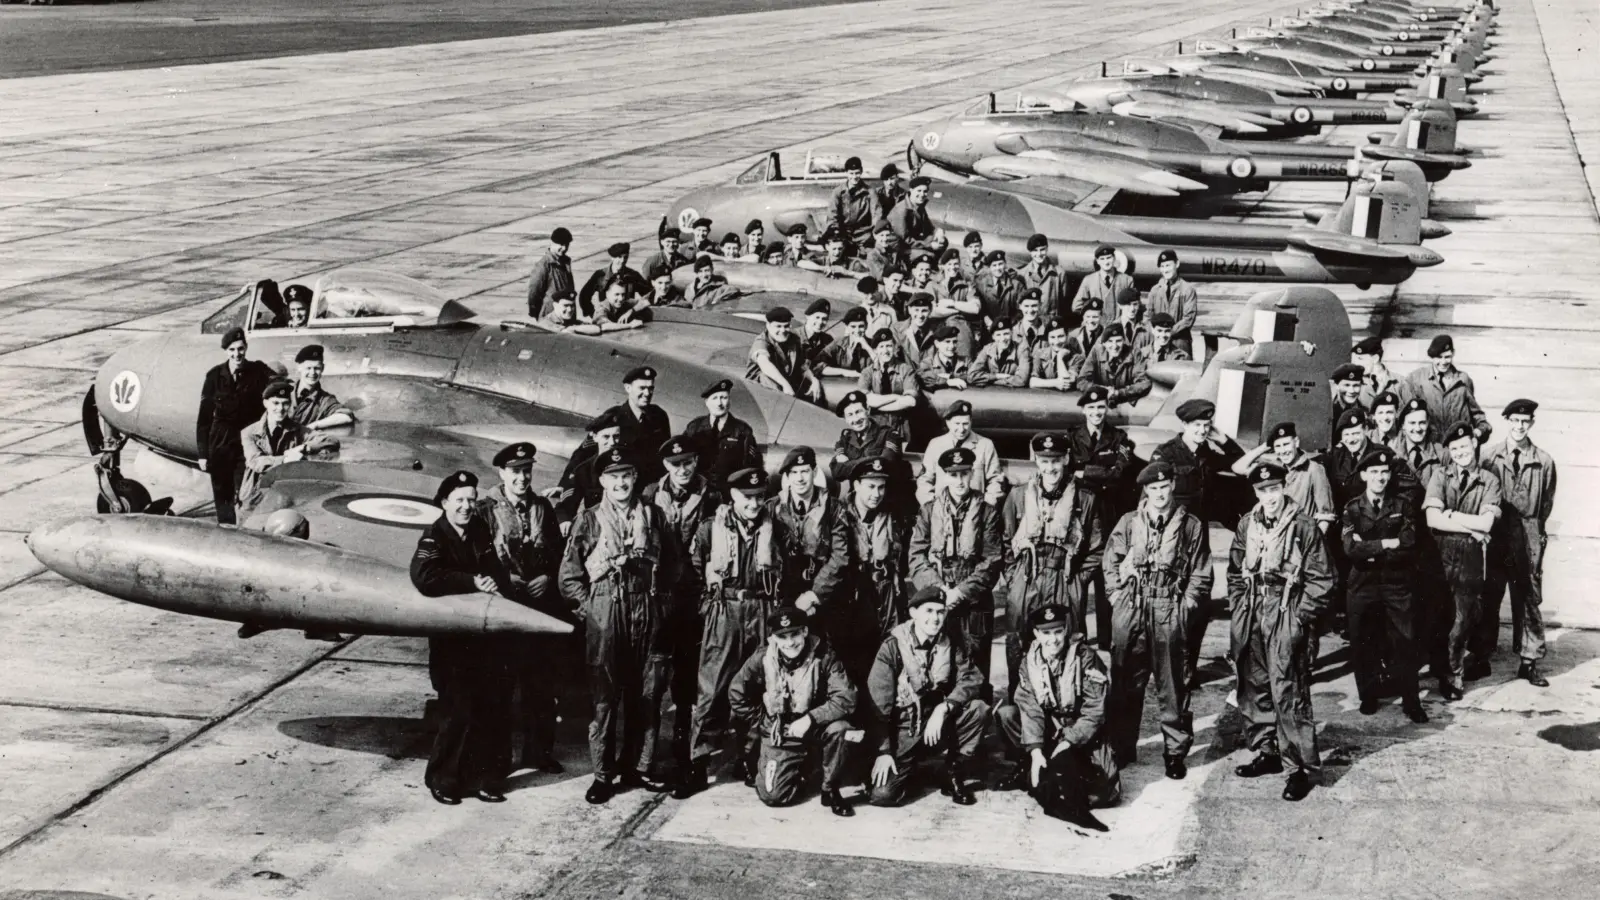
(1379, 211)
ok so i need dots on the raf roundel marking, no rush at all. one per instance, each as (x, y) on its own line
(1241, 167)
(1301, 115)
(930, 141)
(384, 509)
(125, 391)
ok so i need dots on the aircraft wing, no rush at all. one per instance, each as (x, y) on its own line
(1056, 189)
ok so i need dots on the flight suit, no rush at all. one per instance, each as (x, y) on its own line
(804, 533)
(1158, 572)
(1053, 547)
(1516, 547)
(862, 584)
(683, 512)
(1379, 593)
(1278, 580)
(1464, 558)
(771, 692)
(961, 548)
(907, 680)
(1066, 699)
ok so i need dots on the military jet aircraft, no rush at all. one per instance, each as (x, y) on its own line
(1374, 240)
(1332, 78)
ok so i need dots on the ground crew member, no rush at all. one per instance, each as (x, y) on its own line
(1106, 454)
(891, 386)
(1059, 721)
(1435, 608)
(1003, 362)
(943, 369)
(527, 541)
(1415, 445)
(645, 425)
(1054, 536)
(662, 291)
(552, 274)
(1198, 457)
(861, 587)
(615, 271)
(730, 246)
(1376, 379)
(854, 206)
(800, 700)
(1111, 287)
(889, 190)
(862, 437)
(272, 440)
(1278, 580)
(972, 257)
(1448, 391)
(619, 568)
(671, 254)
(456, 555)
(1385, 414)
(1158, 573)
(803, 517)
(1052, 363)
(1044, 276)
(998, 288)
(1113, 366)
(755, 234)
(916, 335)
(794, 245)
(1158, 344)
(708, 288)
(1305, 482)
(987, 477)
(877, 301)
(778, 358)
(580, 486)
(833, 260)
(314, 408)
(1463, 501)
(1082, 339)
(814, 336)
(230, 399)
(848, 356)
(1175, 298)
(1380, 542)
(737, 555)
(617, 310)
(700, 237)
(1527, 476)
(955, 302)
(1344, 458)
(1031, 329)
(957, 545)
(723, 442)
(876, 259)
(910, 228)
(925, 694)
(1346, 382)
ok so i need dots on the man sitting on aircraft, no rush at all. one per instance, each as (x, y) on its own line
(273, 440)
(998, 288)
(794, 245)
(875, 258)
(563, 317)
(1052, 363)
(754, 247)
(708, 288)
(1031, 329)
(662, 291)
(551, 275)
(731, 246)
(863, 436)
(773, 254)
(700, 242)
(1042, 275)
(832, 260)
(778, 360)
(849, 356)
(1083, 339)
(917, 334)
(1002, 362)
(1175, 298)
(723, 442)
(1157, 344)
(1106, 285)
(618, 311)
(882, 300)
(297, 305)
(890, 191)
(671, 255)
(315, 408)
(1111, 365)
(230, 399)
(954, 302)
(942, 368)
(891, 384)
(972, 257)
(912, 229)
(614, 271)
(854, 206)
(814, 337)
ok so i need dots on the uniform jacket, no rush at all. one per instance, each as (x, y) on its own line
(1295, 553)
(723, 451)
(1052, 285)
(1447, 405)
(911, 229)
(682, 513)
(1073, 702)
(789, 358)
(1107, 455)
(552, 275)
(846, 570)
(935, 374)
(1111, 290)
(1478, 492)
(1527, 480)
(877, 439)
(445, 561)
(854, 211)
(1121, 375)
(314, 406)
(263, 451)
(1307, 486)
(644, 434)
(1176, 298)
(602, 279)
(1365, 526)
(228, 403)
(998, 297)
(1196, 471)
(1085, 539)
(1010, 367)
(986, 477)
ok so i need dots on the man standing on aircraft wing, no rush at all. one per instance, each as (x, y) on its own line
(848, 356)
(855, 206)
(671, 254)
(999, 289)
(230, 400)
(890, 191)
(1174, 297)
(916, 336)
(1083, 339)
(314, 407)
(552, 274)
(909, 222)
(1111, 287)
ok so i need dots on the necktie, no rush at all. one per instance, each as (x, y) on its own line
(1108, 283)
(1416, 459)
(1516, 461)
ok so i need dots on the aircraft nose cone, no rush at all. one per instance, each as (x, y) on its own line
(1422, 257)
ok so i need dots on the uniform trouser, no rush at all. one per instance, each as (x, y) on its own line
(471, 748)
(1516, 560)
(1380, 623)
(780, 770)
(973, 626)
(733, 629)
(1045, 586)
(1150, 637)
(963, 732)
(1272, 658)
(226, 474)
(1433, 607)
(532, 715)
(1463, 560)
(627, 677)
(1089, 774)
(857, 627)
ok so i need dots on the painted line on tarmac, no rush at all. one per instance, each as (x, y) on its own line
(102, 710)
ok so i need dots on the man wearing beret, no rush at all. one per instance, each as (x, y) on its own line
(957, 545)
(972, 256)
(1158, 573)
(671, 254)
(1090, 329)
(1055, 535)
(297, 305)
(687, 500)
(1350, 443)
(615, 271)
(985, 477)
(1463, 501)
(999, 289)
(834, 259)
(1346, 384)
(272, 440)
(911, 229)
(1158, 343)
(230, 400)
(619, 570)
(1376, 379)
(799, 700)
(1279, 579)
(1448, 391)
(1385, 414)
(943, 368)
(863, 436)
(854, 206)
(794, 245)
(861, 586)
(730, 246)
(803, 516)
(1434, 605)
(314, 407)
(1110, 364)
(1198, 457)
(955, 303)
(1059, 721)
(1043, 275)
(708, 288)
(778, 359)
(617, 309)
(1003, 362)
(723, 442)
(925, 696)
(1527, 477)
(890, 190)
(700, 242)
(878, 301)
(663, 293)
(645, 425)
(1052, 367)
(1106, 454)
(877, 260)
(456, 555)
(552, 274)
(527, 541)
(1111, 287)
(1305, 480)
(1175, 298)
(890, 385)
(755, 234)
(848, 356)
(737, 555)
(1031, 329)
(580, 482)
(814, 336)
(1380, 542)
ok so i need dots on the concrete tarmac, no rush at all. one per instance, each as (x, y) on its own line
(150, 755)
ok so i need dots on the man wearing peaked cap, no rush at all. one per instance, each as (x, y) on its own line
(863, 435)
(1449, 392)
(456, 555)
(314, 407)
(1158, 573)
(1378, 533)
(644, 425)
(1106, 284)
(1527, 475)
(1175, 297)
(1279, 579)
(1105, 453)
(580, 482)
(1058, 723)
(798, 702)
(803, 516)
(527, 541)
(855, 206)
(273, 440)
(1346, 386)
(926, 700)
(620, 568)
(552, 275)
(723, 442)
(615, 271)
(985, 476)
(230, 400)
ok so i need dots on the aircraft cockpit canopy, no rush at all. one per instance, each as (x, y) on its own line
(348, 298)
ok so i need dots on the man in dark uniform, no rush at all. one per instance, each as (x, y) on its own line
(552, 274)
(778, 358)
(926, 698)
(723, 442)
(644, 425)
(855, 205)
(1158, 572)
(1421, 456)
(1463, 502)
(1380, 542)
(1278, 581)
(814, 337)
(1344, 458)
(700, 237)
(737, 557)
(1346, 383)
(1044, 276)
(1199, 457)
(230, 399)
(957, 546)
(999, 289)
(619, 569)
(456, 555)
(862, 437)
(1516, 547)
(615, 271)
(1106, 454)
(1175, 298)
(1111, 287)
(580, 486)
(911, 229)
(861, 587)
(1111, 364)
(527, 541)
(1086, 336)
(890, 385)
(889, 190)
(1059, 721)
(671, 254)
(848, 356)
(799, 699)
